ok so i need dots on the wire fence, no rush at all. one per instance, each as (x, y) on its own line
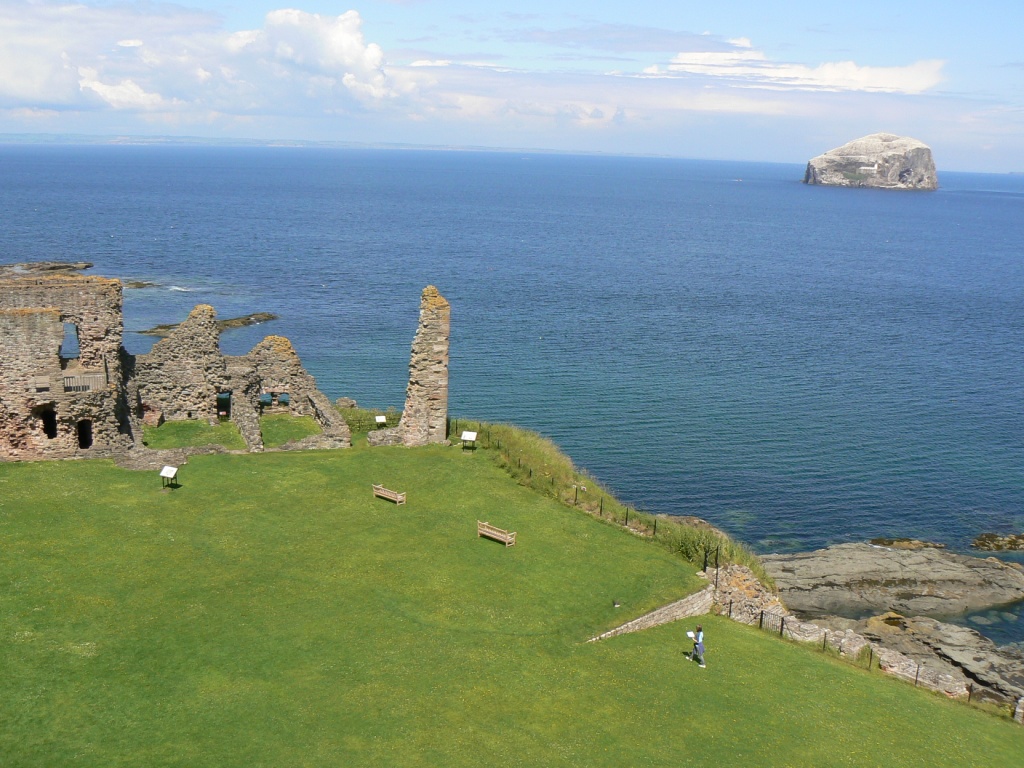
(535, 462)
(776, 624)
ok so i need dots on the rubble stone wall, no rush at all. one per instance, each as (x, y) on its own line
(696, 604)
(83, 399)
(56, 406)
(425, 418)
(185, 371)
(278, 368)
(93, 304)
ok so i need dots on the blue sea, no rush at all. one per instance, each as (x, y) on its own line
(801, 366)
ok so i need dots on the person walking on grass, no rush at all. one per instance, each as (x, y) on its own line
(698, 646)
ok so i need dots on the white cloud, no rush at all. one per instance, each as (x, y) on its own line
(125, 94)
(152, 57)
(747, 67)
(307, 75)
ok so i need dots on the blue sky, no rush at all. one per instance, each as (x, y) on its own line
(742, 80)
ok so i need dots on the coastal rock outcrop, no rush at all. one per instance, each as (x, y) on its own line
(881, 160)
(958, 651)
(1000, 542)
(857, 580)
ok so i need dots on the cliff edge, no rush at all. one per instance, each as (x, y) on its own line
(881, 160)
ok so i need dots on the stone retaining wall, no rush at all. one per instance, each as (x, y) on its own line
(696, 604)
(741, 597)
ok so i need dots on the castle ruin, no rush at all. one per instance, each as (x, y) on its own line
(425, 418)
(69, 389)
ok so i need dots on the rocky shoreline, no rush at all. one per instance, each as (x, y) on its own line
(896, 597)
(857, 580)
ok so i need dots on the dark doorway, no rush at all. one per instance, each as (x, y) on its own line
(49, 417)
(85, 434)
(224, 405)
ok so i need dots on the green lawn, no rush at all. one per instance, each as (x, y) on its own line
(280, 428)
(178, 434)
(271, 612)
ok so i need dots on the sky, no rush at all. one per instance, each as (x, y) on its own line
(732, 80)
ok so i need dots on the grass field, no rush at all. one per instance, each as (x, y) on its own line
(176, 434)
(271, 612)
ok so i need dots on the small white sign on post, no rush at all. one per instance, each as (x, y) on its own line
(468, 437)
(381, 419)
(168, 475)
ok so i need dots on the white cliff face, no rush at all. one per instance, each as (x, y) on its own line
(881, 160)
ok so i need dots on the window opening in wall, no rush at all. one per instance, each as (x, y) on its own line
(85, 434)
(69, 349)
(49, 417)
(224, 405)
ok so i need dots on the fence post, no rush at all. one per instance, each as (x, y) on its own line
(601, 510)
(760, 621)
(917, 674)
(705, 569)
(824, 642)
(730, 609)
(627, 516)
(782, 627)
(531, 473)
(970, 692)
(716, 575)
(871, 655)
(656, 528)
(576, 498)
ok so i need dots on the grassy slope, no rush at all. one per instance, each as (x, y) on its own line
(271, 612)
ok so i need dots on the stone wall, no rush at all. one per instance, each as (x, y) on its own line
(425, 418)
(92, 304)
(696, 604)
(184, 372)
(740, 596)
(53, 405)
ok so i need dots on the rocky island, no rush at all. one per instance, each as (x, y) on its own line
(881, 160)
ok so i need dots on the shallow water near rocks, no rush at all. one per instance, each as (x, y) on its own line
(801, 366)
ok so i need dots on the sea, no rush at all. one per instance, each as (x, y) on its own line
(801, 366)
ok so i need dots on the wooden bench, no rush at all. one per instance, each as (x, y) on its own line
(383, 493)
(508, 538)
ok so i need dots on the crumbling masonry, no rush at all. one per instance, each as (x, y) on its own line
(57, 401)
(425, 418)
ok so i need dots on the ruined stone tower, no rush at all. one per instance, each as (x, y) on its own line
(62, 392)
(425, 418)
